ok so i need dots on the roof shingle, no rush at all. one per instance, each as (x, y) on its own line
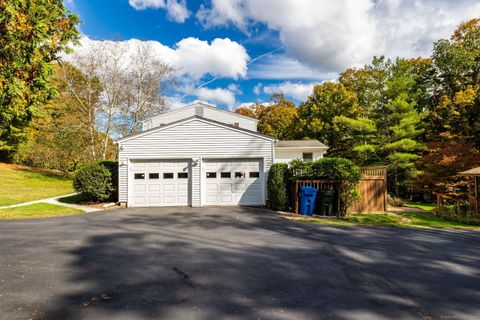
(300, 144)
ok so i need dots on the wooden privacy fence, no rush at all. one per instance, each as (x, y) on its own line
(317, 184)
(373, 190)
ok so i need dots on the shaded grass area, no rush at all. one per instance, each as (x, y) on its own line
(83, 201)
(406, 219)
(22, 184)
(421, 205)
(38, 210)
(74, 199)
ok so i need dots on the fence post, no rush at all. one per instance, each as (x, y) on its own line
(438, 203)
(295, 197)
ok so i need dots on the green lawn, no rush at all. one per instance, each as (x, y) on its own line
(407, 219)
(22, 184)
(38, 210)
(420, 205)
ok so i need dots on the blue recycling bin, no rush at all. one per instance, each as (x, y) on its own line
(307, 200)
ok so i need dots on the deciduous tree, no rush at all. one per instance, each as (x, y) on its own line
(32, 34)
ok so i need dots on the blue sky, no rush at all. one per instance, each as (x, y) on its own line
(254, 48)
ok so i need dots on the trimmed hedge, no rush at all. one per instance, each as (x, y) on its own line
(277, 186)
(96, 181)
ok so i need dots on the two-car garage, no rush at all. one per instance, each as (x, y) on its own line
(157, 182)
(194, 162)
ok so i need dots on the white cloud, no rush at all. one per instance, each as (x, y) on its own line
(248, 104)
(258, 88)
(331, 35)
(176, 9)
(190, 56)
(212, 95)
(235, 88)
(297, 91)
(174, 102)
(223, 57)
(217, 95)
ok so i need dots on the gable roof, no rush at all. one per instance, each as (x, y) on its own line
(300, 144)
(175, 123)
(471, 172)
(205, 105)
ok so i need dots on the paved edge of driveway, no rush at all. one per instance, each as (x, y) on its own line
(54, 200)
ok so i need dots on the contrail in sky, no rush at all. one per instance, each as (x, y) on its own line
(249, 63)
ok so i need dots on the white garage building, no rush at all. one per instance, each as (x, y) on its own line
(198, 155)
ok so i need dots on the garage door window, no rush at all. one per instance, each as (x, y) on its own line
(254, 174)
(211, 175)
(239, 175)
(139, 176)
(168, 175)
(153, 176)
(182, 175)
(226, 175)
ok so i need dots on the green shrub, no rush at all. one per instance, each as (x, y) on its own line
(94, 181)
(449, 212)
(395, 201)
(299, 168)
(277, 186)
(112, 166)
(342, 170)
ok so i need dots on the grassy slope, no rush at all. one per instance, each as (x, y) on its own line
(38, 210)
(22, 184)
(407, 219)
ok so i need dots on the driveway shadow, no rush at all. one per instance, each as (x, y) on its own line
(246, 263)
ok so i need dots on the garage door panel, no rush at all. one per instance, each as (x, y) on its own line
(169, 187)
(154, 165)
(226, 186)
(182, 187)
(226, 199)
(240, 186)
(155, 200)
(140, 200)
(140, 188)
(154, 187)
(169, 199)
(212, 186)
(161, 184)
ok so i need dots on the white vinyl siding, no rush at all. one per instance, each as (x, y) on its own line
(169, 117)
(284, 155)
(193, 139)
(230, 118)
(201, 110)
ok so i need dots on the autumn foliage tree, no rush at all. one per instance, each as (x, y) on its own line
(63, 133)
(277, 119)
(32, 35)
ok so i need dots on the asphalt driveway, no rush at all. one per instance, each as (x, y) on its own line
(232, 263)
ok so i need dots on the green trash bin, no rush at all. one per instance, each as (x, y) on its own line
(327, 198)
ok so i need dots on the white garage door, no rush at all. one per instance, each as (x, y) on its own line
(233, 182)
(160, 183)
